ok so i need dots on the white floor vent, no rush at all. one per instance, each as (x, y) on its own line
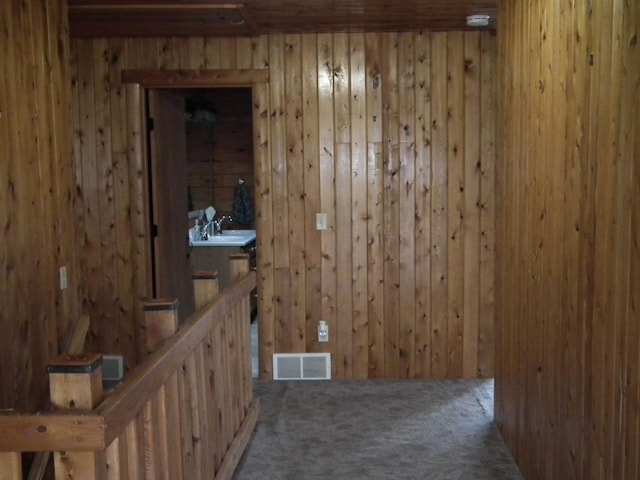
(302, 366)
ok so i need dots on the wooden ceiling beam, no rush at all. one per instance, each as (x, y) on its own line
(89, 18)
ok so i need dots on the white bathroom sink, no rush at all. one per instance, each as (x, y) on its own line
(228, 238)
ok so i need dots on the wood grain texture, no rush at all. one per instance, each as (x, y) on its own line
(37, 199)
(371, 129)
(567, 238)
(73, 390)
(163, 419)
(220, 155)
(11, 463)
(170, 17)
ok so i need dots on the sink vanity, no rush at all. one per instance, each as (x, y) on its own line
(228, 238)
(213, 253)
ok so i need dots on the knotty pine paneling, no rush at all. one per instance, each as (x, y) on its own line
(392, 136)
(220, 155)
(94, 18)
(37, 198)
(568, 238)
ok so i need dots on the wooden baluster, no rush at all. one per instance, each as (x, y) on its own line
(240, 350)
(10, 465)
(205, 287)
(75, 382)
(161, 414)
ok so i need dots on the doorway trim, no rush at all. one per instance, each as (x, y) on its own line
(196, 78)
(258, 81)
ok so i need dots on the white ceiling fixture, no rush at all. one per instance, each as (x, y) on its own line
(478, 20)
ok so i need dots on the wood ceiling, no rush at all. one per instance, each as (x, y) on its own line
(91, 18)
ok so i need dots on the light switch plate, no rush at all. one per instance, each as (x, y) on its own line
(321, 221)
(64, 281)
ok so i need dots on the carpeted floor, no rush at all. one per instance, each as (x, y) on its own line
(376, 430)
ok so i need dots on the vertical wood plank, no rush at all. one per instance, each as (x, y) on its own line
(327, 182)
(279, 184)
(603, 244)
(212, 53)
(161, 453)
(192, 382)
(45, 174)
(375, 259)
(114, 461)
(342, 137)
(571, 463)
(439, 212)
(488, 107)
(195, 55)
(89, 181)
(227, 49)
(630, 148)
(422, 80)
(359, 177)
(295, 189)
(244, 53)
(59, 65)
(173, 422)
(134, 440)
(455, 202)
(139, 231)
(206, 422)
(11, 463)
(150, 446)
(105, 213)
(311, 154)
(391, 216)
(265, 219)
(407, 205)
(124, 295)
(472, 178)
(212, 386)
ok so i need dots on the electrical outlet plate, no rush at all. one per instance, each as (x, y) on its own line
(323, 332)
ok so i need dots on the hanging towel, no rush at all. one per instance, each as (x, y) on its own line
(242, 207)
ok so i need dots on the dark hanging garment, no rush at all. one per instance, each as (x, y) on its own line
(243, 212)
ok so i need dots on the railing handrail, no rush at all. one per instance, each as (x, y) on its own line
(123, 404)
(78, 430)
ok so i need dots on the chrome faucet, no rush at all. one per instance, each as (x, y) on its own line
(217, 225)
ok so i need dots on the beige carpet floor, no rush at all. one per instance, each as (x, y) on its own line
(377, 430)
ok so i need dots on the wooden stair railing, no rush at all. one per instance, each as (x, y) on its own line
(186, 412)
(74, 346)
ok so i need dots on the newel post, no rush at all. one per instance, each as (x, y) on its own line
(205, 287)
(161, 321)
(239, 265)
(75, 382)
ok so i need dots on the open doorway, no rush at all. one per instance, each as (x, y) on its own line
(220, 158)
(201, 150)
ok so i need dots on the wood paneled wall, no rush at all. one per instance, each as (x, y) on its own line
(391, 135)
(568, 238)
(37, 198)
(220, 155)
